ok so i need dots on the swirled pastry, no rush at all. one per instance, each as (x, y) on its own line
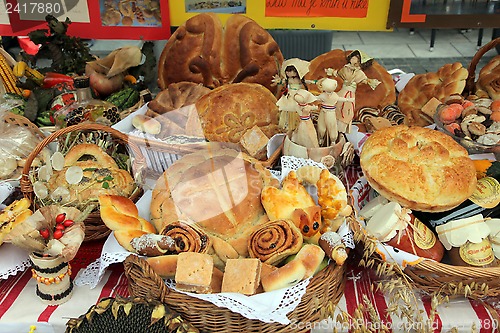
(489, 78)
(274, 241)
(187, 238)
(420, 168)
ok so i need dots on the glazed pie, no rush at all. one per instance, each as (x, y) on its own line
(421, 168)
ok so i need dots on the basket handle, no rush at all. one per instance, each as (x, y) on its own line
(136, 270)
(470, 83)
(25, 183)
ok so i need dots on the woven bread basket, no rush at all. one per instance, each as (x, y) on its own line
(323, 292)
(18, 120)
(432, 277)
(470, 84)
(160, 155)
(94, 227)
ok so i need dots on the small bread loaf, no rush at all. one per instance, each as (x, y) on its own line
(165, 266)
(420, 168)
(489, 78)
(146, 124)
(241, 276)
(285, 276)
(120, 213)
(194, 272)
(216, 284)
(448, 80)
(311, 256)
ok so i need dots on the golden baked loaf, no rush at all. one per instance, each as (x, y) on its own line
(97, 169)
(420, 168)
(219, 190)
(202, 51)
(450, 79)
(384, 94)
(228, 112)
(175, 96)
(489, 79)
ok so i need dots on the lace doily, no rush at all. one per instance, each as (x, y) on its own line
(12, 260)
(269, 307)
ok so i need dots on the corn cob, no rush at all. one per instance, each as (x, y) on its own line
(19, 68)
(8, 78)
(33, 74)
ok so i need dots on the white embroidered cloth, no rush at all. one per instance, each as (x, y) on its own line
(12, 260)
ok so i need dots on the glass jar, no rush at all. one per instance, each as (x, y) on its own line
(86, 108)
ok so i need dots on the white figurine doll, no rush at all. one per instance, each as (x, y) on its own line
(292, 78)
(327, 120)
(305, 134)
(352, 74)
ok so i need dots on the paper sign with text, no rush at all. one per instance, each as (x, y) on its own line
(317, 8)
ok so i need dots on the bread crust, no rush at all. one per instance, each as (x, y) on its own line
(194, 189)
(202, 51)
(420, 168)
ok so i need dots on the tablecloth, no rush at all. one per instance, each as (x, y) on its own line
(20, 309)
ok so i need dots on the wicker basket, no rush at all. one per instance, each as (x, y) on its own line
(434, 277)
(324, 291)
(470, 85)
(18, 120)
(161, 155)
(94, 227)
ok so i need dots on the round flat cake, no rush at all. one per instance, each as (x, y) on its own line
(420, 168)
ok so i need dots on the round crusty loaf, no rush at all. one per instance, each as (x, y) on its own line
(203, 51)
(227, 112)
(420, 168)
(217, 189)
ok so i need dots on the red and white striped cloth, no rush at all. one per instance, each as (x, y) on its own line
(20, 308)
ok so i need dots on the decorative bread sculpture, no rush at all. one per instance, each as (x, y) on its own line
(420, 168)
(384, 94)
(448, 80)
(202, 51)
(98, 167)
(489, 79)
(219, 190)
(228, 112)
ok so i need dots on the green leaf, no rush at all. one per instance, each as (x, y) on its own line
(108, 178)
(494, 170)
(89, 169)
(105, 185)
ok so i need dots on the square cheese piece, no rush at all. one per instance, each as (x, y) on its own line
(255, 142)
(241, 276)
(194, 272)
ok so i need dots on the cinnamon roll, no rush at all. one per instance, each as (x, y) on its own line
(274, 241)
(187, 238)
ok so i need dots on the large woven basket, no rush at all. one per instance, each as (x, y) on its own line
(18, 120)
(434, 277)
(470, 85)
(160, 155)
(94, 227)
(323, 292)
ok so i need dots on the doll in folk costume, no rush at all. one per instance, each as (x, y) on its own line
(352, 74)
(291, 76)
(327, 120)
(305, 134)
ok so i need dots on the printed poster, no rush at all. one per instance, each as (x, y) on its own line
(317, 8)
(91, 19)
(222, 7)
